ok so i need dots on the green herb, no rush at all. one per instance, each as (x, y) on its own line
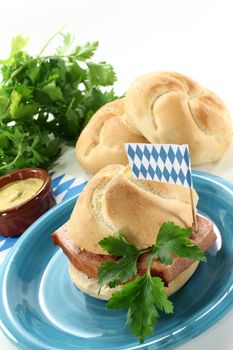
(143, 297)
(172, 240)
(23, 149)
(46, 100)
(113, 273)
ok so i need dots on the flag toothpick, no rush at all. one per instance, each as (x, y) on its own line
(193, 211)
(164, 163)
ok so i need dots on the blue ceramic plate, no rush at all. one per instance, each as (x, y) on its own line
(41, 309)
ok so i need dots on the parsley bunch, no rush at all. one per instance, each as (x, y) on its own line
(144, 296)
(46, 100)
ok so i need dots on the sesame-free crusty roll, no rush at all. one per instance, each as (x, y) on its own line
(114, 200)
(102, 141)
(168, 107)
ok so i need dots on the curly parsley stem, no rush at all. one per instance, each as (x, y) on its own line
(19, 151)
(50, 40)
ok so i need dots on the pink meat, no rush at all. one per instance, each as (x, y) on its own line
(89, 262)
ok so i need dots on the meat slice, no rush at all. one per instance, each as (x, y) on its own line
(83, 260)
(204, 238)
(89, 262)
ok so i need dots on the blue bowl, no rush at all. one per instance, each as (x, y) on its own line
(41, 309)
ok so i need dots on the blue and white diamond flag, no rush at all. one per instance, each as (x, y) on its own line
(160, 162)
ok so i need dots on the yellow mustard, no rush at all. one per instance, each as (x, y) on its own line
(18, 192)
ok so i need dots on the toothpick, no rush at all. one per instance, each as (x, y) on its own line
(193, 210)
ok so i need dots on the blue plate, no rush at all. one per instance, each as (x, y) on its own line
(41, 309)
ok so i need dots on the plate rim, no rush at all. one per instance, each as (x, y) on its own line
(4, 268)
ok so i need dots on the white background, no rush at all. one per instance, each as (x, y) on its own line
(137, 37)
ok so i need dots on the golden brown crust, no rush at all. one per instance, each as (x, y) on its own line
(113, 200)
(168, 107)
(102, 141)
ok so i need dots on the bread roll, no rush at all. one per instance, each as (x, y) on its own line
(90, 285)
(102, 141)
(167, 107)
(113, 200)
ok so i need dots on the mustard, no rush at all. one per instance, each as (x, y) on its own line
(19, 191)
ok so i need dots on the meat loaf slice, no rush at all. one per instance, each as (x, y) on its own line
(80, 258)
(89, 262)
(204, 238)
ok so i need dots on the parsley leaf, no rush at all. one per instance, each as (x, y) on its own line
(86, 51)
(53, 91)
(101, 73)
(114, 272)
(17, 44)
(15, 100)
(67, 43)
(118, 246)
(144, 296)
(172, 240)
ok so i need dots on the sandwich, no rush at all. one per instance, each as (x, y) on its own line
(113, 200)
(115, 208)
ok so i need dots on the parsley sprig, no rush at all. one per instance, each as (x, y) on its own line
(48, 97)
(144, 296)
